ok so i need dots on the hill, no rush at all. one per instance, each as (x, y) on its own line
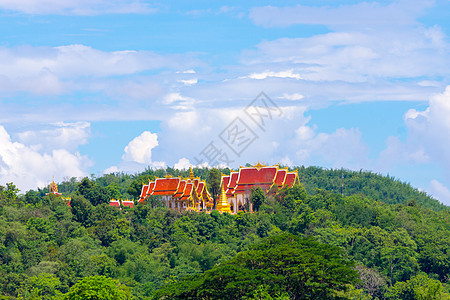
(386, 251)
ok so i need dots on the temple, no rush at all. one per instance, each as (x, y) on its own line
(53, 190)
(236, 188)
(178, 193)
(238, 185)
(121, 203)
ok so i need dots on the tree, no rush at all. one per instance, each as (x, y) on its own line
(214, 179)
(300, 267)
(92, 192)
(419, 287)
(98, 287)
(8, 194)
(42, 286)
(135, 187)
(257, 197)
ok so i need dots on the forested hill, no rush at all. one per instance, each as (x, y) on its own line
(386, 189)
(383, 188)
(296, 245)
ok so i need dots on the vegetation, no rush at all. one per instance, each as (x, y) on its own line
(383, 240)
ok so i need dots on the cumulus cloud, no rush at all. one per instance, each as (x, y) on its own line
(430, 129)
(140, 148)
(30, 168)
(112, 169)
(77, 7)
(427, 141)
(182, 164)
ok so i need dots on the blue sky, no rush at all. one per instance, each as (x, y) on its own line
(88, 87)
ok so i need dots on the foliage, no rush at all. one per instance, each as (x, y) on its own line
(299, 267)
(397, 237)
(257, 197)
(214, 179)
(98, 287)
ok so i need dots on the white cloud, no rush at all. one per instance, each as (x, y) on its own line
(440, 192)
(29, 168)
(354, 56)
(342, 148)
(182, 164)
(179, 102)
(397, 152)
(77, 7)
(54, 70)
(189, 81)
(293, 97)
(427, 141)
(430, 129)
(281, 74)
(112, 169)
(60, 135)
(140, 148)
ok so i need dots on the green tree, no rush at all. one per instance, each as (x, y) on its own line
(257, 197)
(93, 193)
(42, 286)
(214, 179)
(419, 287)
(135, 187)
(98, 288)
(300, 267)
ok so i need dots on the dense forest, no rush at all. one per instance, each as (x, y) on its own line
(382, 239)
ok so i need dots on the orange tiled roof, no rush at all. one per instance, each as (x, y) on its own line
(232, 184)
(225, 181)
(251, 177)
(200, 188)
(166, 186)
(290, 178)
(180, 189)
(151, 187)
(281, 176)
(144, 191)
(187, 191)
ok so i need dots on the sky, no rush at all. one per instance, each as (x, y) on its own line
(94, 87)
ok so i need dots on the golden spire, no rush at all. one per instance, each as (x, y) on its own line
(222, 204)
(191, 174)
(53, 187)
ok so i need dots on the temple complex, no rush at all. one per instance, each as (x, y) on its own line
(239, 184)
(178, 193)
(191, 193)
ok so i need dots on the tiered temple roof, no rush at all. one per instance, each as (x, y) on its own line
(247, 178)
(121, 202)
(192, 191)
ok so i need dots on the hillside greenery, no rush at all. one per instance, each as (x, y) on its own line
(382, 240)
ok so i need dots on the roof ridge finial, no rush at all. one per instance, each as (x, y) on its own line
(259, 165)
(191, 174)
